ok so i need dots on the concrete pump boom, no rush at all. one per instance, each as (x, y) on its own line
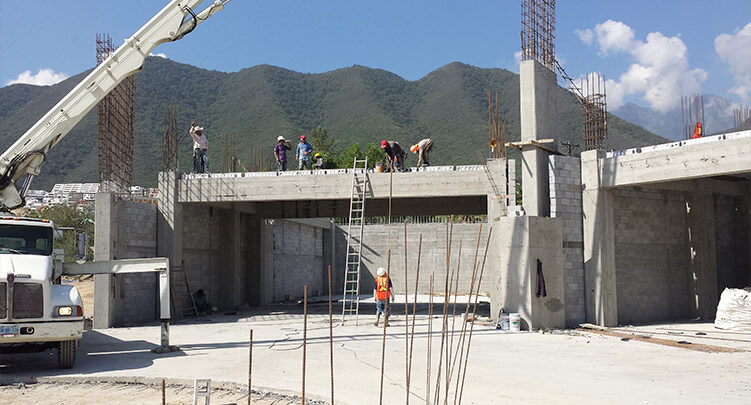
(25, 157)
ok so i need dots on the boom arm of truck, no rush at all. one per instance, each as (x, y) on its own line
(23, 160)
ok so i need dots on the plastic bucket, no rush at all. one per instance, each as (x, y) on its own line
(515, 321)
(505, 322)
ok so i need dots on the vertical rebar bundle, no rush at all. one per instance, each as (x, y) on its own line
(230, 161)
(169, 142)
(260, 159)
(595, 114)
(692, 112)
(115, 137)
(538, 31)
(742, 118)
(496, 127)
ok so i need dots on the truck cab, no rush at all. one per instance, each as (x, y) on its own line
(36, 312)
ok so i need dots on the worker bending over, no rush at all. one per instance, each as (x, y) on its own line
(394, 154)
(423, 149)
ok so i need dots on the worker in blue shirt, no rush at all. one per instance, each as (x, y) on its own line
(303, 154)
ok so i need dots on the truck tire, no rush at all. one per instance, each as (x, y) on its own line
(66, 353)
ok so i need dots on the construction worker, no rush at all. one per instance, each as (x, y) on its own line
(697, 131)
(423, 149)
(304, 149)
(382, 291)
(394, 154)
(200, 146)
(280, 153)
(319, 161)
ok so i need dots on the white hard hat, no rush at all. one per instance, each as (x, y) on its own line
(198, 129)
(280, 138)
(381, 271)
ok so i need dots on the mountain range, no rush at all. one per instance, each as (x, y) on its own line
(718, 117)
(356, 104)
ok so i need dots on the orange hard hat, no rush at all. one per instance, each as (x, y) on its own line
(414, 148)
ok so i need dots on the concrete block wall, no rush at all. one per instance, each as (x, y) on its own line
(297, 260)
(732, 229)
(651, 255)
(139, 296)
(125, 230)
(433, 255)
(566, 204)
(200, 250)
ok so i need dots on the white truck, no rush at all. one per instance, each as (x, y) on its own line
(36, 312)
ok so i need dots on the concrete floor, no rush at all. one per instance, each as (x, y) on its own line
(526, 367)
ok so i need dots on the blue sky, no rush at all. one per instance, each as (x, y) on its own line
(651, 52)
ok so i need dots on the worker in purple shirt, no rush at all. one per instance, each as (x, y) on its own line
(280, 153)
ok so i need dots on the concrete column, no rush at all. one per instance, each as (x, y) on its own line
(538, 120)
(170, 222)
(702, 262)
(105, 241)
(599, 244)
(514, 282)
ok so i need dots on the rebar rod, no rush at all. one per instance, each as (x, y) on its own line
(250, 364)
(474, 313)
(430, 338)
(304, 339)
(414, 311)
(331, 339)
(463, 333)
(444, 324)
(406, 316)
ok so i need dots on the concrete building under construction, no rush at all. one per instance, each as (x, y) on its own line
(632, 236)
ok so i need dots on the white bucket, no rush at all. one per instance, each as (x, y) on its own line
(515, 321)
(505, 322)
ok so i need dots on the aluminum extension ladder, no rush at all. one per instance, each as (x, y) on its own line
(351, 300)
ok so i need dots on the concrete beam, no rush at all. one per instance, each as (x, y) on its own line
(711, 156)
(456, 181)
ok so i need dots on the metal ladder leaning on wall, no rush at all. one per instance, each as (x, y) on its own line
(351, 300)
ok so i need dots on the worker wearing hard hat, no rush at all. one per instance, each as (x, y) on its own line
(382, 291)
(280, 153)
(423, 149)
(304, 150)
(394, 154)
(319, 161)
(200, 146)
(698, 132)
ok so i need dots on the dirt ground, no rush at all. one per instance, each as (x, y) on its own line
(115, 393)
(85, 287)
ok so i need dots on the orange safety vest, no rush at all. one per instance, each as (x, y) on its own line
(382, 288)
(697, 131)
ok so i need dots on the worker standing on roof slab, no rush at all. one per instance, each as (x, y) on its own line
(382, 292)
(280, 153)
(200, 146)
(395, 155)
(697, 131)
(304, 149)
(423, 149)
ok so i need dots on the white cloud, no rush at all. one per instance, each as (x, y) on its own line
(614, 36)
(45, 77)
(159, 55)
(660, 71)
(587, 36)
(735, 50)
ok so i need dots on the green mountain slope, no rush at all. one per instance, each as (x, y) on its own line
(355, 104)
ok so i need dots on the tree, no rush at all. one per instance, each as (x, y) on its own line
(319, 138)
(375, 154)
(66, 216)
(347, 157)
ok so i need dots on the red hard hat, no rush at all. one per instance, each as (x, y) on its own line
(383, 144)
(302, 136)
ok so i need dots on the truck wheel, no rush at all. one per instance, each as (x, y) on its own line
(66, 353)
